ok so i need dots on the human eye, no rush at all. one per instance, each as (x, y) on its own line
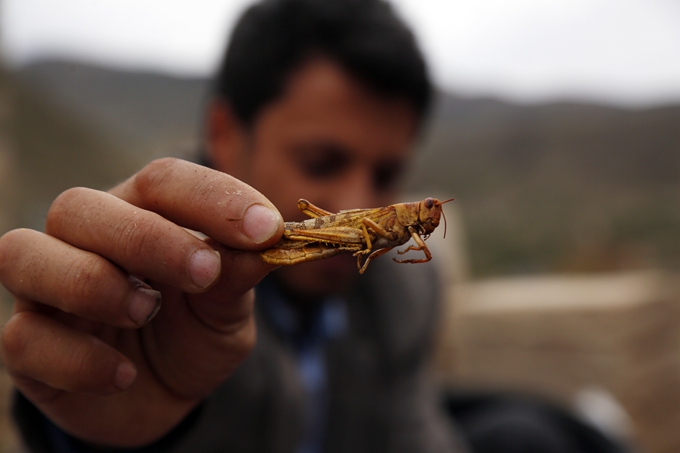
(323, 161)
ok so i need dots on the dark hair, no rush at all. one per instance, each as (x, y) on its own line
(365, 37)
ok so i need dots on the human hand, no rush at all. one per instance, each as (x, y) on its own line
(81, 343)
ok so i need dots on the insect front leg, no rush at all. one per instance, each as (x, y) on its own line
(421, 246)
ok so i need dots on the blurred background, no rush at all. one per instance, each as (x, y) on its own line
(556, 129)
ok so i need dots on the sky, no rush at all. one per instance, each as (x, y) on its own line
(624, 52)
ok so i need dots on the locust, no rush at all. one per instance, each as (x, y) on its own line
(366, 233)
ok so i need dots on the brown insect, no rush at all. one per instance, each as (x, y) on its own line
(364, 232)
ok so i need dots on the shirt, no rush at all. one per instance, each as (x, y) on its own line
(329, 321)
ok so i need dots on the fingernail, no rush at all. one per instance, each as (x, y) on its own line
(260, 223)
(144, 304)
(125, 375)
(204, 267)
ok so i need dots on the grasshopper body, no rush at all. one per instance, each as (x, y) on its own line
(364, 232)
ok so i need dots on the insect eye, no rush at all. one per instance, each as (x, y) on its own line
(429, 203)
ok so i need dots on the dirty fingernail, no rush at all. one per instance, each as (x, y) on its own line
(261, 223)
(204, 267)
(144, 304)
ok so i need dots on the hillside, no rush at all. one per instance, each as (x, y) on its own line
(560, 187)
(50, 150)
(557, 187)
(144, 110)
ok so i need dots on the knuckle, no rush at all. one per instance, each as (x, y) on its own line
(89, 367)
(15, 256)
(13, 340)
(8, 246)
(86, 276)
(61, 207)
(137, 235)
(154, 173)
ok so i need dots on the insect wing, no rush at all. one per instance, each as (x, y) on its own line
(288, 252)
(331, 235)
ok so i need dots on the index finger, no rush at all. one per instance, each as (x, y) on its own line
(214, 203)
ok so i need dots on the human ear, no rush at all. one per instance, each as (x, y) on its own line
(225, 137)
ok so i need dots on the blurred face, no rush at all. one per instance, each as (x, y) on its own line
(330, 140)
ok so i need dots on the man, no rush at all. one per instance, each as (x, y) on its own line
(318, 99)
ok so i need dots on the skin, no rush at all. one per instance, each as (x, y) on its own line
(87, 343)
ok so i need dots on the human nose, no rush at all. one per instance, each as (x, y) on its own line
(357, 191)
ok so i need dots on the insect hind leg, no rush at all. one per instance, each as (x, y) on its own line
(312, 211)
(372, 256)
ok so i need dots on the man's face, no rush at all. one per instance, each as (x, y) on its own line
(330, 140)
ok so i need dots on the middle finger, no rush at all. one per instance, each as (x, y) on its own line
(141, 242)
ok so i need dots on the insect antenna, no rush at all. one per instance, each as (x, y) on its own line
(444, 215)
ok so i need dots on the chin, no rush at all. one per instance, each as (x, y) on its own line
(319, 278)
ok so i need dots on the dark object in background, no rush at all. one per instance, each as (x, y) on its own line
(507, 423)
